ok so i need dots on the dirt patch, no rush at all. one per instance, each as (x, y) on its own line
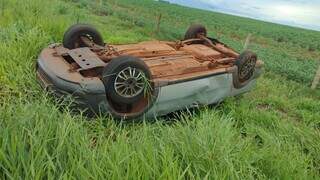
(264, 107)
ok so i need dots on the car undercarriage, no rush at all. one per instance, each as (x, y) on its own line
(131, 76)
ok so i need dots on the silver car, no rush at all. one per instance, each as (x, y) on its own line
(146, 79)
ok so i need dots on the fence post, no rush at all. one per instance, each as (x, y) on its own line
(158, 22)
(2, 8)
(246, 44)
(316, 79)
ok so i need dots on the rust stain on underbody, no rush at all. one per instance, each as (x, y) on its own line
(169, 61)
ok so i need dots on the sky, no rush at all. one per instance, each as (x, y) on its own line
(299, 13)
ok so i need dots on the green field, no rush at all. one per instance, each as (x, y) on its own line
(271, 132)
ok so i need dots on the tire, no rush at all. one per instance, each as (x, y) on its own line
(71, 38)
(194, 31)
(115, 84)
(246, 65)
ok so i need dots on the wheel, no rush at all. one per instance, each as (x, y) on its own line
(194, 31)
(72, 37)
(246, 63)
(127, 80)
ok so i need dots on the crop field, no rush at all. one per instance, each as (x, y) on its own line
(271, 132)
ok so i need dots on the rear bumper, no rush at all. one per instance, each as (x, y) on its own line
(87, 94)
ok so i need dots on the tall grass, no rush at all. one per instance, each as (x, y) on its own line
(272, 132)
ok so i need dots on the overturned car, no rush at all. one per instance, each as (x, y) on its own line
(147, 79)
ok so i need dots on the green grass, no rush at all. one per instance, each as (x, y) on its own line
(271, 132)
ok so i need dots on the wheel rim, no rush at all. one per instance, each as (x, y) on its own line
(80, 43)
(129, 82)
(247, 69)
(200, 34)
